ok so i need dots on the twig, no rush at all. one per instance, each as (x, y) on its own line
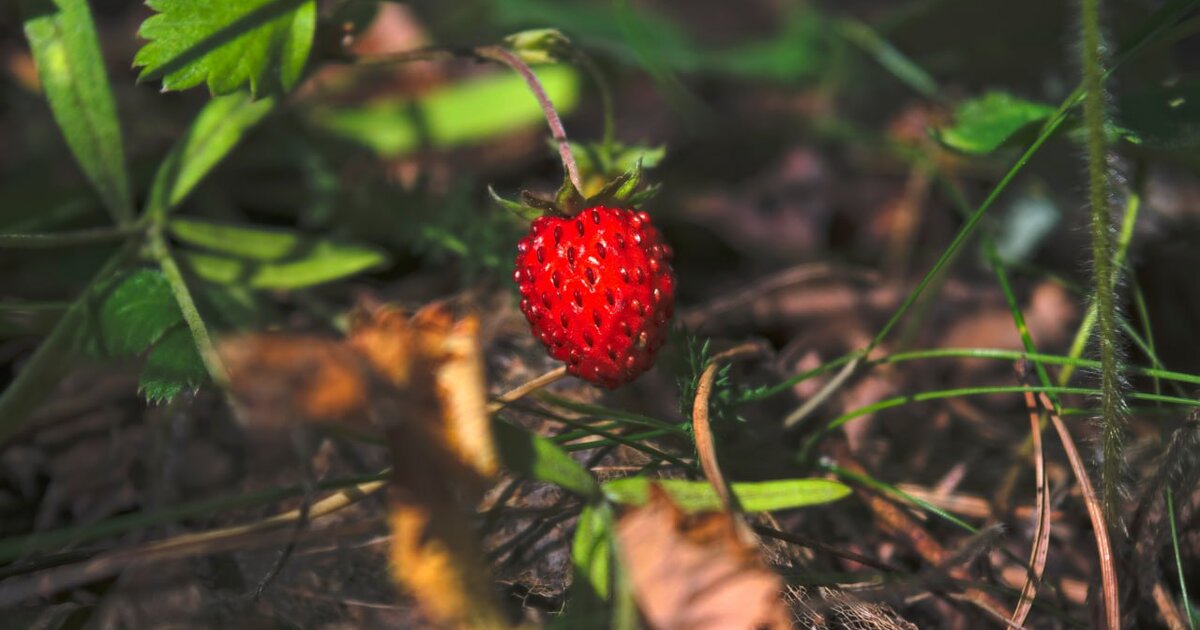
(1108, 571)
(56, 580)
(526, 388)
(896, 522)
(821, 396)
(506, 57)
(706, 448)
(804, 541)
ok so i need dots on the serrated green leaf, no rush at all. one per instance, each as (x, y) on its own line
(314, 262)
(213, 134)
(172, 366)
(755, 496)
(137, 312)
(227, 44)
(984, 124)
(536, 457)
(468, 111)
(1162, 117)
(70, 65)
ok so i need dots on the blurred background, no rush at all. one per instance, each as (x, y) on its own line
(816, 158)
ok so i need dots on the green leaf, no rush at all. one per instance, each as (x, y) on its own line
(536, 457)
(466, 112)
(70, 65)
(137, 313)
(242, 241)
(227, 44)
(982, 125)
(1162, 117)
(172, 366)
(757, 496)
(592, 552)
(262, 258)
(216, 130)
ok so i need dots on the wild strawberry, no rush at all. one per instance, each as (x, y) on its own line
(597, 289)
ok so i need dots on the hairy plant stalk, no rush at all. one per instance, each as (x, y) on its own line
(1112, 409)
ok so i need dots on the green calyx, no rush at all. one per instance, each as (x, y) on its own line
(624, 190)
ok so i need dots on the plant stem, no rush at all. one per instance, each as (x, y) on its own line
(68, 239)
(506, 57)
(161, 253)
(1112, 422)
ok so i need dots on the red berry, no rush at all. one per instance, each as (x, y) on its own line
(598, 290)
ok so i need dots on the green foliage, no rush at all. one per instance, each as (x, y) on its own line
(657, 43)
(538, 458)
(983, 125)
(688, 366)
(1162, 117)
(758, 496)
(592, 560)
(216, 130)
(268, 258)
(137, 313)
(172, 366)
(227, 44)
(468, 111)
(70, 65)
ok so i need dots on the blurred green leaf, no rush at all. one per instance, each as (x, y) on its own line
(462, 113)
(242, 241)
(536, 457)
(262, 258)
(70, 65)
(592, 562)
(982, 125)
(757, 496)
(797, 52)
(888, 56)
(137, 312)
(1162, 117)
(172, 366)
(638, 35)
(213, 134)
(227, 43)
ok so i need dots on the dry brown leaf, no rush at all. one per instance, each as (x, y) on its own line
(419, 381)
(694, 573)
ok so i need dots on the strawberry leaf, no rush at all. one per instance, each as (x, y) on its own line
(983, 125)
(227, 44)
(172, 366)
(70, 65)
(137, 313)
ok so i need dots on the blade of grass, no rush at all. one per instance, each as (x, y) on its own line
(1183, 589)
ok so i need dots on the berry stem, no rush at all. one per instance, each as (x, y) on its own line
(502, 55)
(506, 57)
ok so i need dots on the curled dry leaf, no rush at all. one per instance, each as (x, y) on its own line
(420, 382)
(695, 573)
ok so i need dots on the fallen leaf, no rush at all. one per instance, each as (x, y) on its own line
(418, 381)
(694, 572)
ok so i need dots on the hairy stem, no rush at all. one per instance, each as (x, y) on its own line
(161, 253)
(69, 239)
(506, 57)
(1111, 403)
